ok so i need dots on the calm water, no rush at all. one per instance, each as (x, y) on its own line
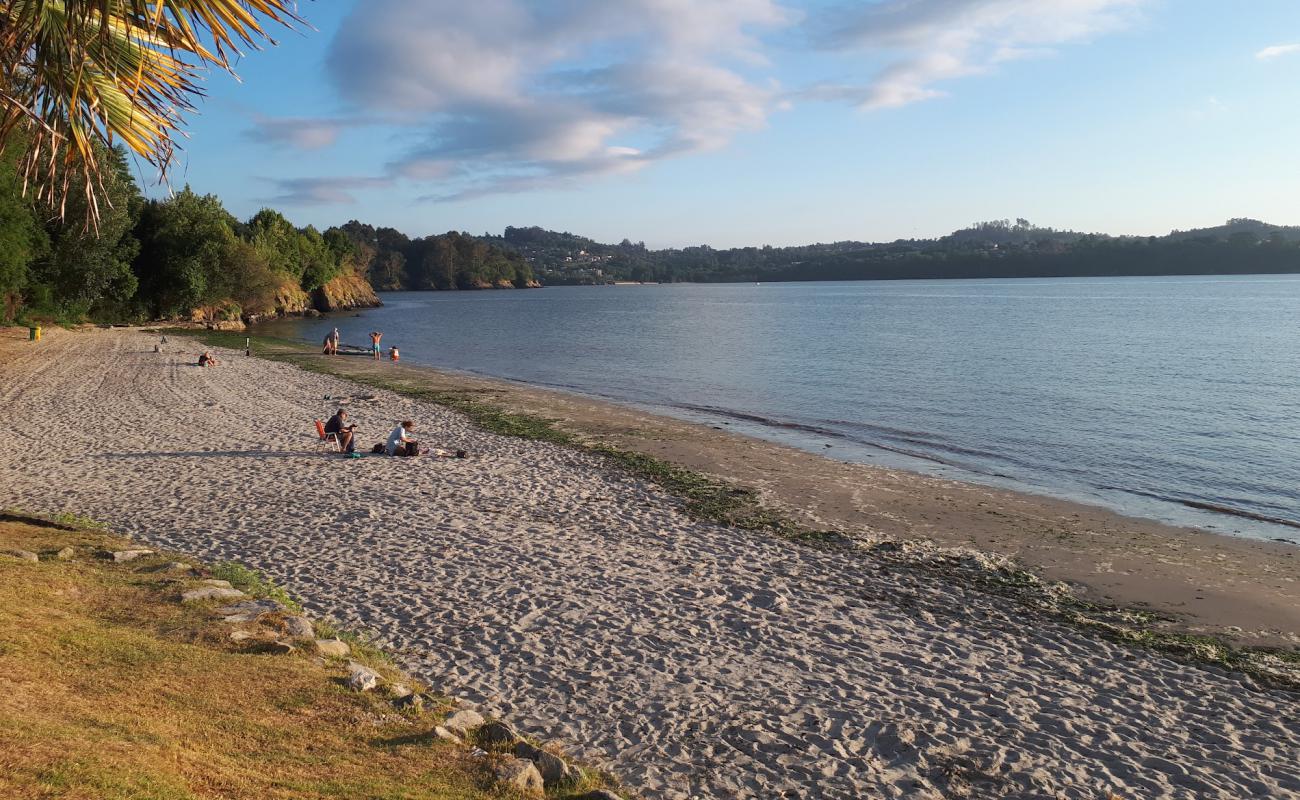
(1140, 394)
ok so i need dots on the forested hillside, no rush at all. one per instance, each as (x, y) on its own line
(990, 249)
(184, 257)
(447, 261)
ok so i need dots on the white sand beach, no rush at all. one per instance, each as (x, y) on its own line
(583, 606)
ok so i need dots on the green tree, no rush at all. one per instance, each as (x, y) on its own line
(90, 270)
(184, 245)
(22, 238)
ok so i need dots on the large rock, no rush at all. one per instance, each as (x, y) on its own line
(553, 769)
(211, 593)
(333, 648)
(65, 554)
(497, 734)
(122, 556)
(299, 627)
(344, 292)
(362, 678)
(250, 610)
(216, 583)
(21, 555)
(461, 722)
(520, 774)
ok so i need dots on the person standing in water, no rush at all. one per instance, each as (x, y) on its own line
(334, 341)
(375, 336)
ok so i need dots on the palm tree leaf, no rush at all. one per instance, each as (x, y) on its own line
(77, 72)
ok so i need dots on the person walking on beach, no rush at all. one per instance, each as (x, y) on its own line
(375, 336)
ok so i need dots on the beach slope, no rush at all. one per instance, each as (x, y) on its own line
(585, 606)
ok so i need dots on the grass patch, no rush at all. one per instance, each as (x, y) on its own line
(108, 698)
(363, 647)
(253, 582)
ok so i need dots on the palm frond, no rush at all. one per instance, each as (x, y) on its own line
(76, 72)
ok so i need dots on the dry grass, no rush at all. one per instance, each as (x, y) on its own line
(109, 688)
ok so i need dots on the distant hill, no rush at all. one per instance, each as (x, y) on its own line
(1000, 248)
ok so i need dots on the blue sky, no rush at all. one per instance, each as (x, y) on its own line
(739, 122)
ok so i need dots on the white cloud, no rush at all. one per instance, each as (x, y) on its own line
(928, 42)
(321, 191)
(303, 133)
(1277, 50)
(518, 95)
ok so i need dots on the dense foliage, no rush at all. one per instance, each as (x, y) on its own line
(449, 261)
(999, 249)
(154, 258)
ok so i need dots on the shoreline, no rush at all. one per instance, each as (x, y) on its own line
(1241, 589)
(545, 585)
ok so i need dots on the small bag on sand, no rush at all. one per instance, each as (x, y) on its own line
(412, 448)
(379, 448)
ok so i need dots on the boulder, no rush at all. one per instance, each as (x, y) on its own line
(520, 774)
(333, 648)
(412, 701)
(553, 769)
(461, 722)
(21, 555)
(248, 610)
(65, 554)
(362, 678)
(442, 733)
(497, 734)
(122, 556)
(299, 627)
(240, 636)
(210, 593)
(216, 583)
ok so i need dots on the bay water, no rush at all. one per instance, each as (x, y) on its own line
(1171, 398)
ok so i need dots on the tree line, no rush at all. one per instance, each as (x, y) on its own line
(185, 254)
(151, 259)
(451, 260)
(996, 249)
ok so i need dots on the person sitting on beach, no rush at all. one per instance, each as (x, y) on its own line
(206, 360)
(375, 336)
(344, 432)
(399, 443)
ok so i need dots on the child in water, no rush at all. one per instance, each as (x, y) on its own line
(393, 355)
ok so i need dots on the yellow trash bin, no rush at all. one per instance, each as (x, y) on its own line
(34, 333)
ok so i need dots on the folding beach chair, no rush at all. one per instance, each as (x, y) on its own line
(329, 440)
